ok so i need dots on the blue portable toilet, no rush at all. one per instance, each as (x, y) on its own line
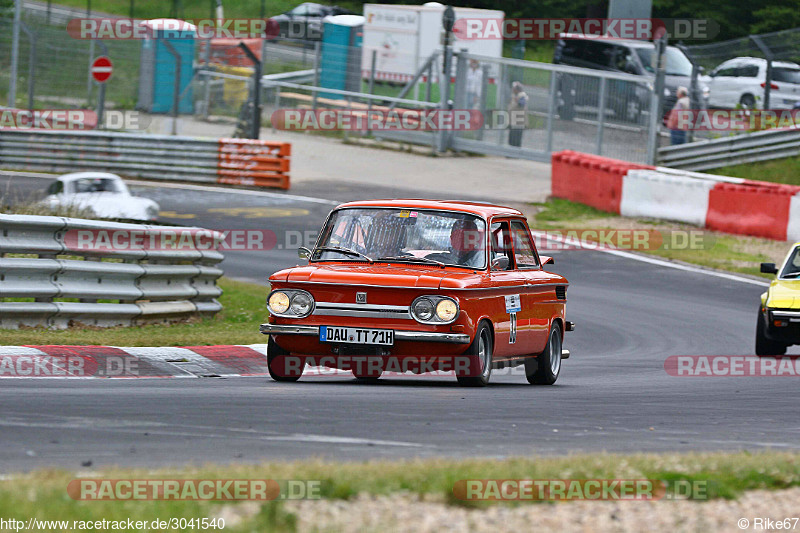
(340, 61)
(157, 65)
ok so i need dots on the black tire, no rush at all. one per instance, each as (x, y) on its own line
(545, 369)
(747, 101)
(276, 364)
(480, 356)
(764, 346)
(365, 376)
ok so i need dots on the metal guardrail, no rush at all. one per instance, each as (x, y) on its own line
(161, 157)
(734, 150)
(55, 279)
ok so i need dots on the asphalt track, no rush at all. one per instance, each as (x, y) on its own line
(613, 393)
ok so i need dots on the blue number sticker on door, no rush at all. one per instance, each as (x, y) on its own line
(513, 303)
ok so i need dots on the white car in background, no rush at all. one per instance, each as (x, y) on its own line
(105, 194)
(741, 81)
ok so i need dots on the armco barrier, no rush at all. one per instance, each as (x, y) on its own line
(160, 157)
(39, 261)
(722, 203)
(590, 179)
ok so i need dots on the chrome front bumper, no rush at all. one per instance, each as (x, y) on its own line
(399, 335)
(791, 316)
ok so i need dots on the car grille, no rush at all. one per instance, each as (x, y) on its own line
(561, 292)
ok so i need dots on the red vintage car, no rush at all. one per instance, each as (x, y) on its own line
(419, 286)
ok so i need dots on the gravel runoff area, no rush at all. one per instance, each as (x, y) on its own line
(409, 514)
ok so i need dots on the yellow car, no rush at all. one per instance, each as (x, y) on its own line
(779, 317)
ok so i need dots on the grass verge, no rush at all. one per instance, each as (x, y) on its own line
(243, 309)
(42, 494)
(785, 170)
(711, 249)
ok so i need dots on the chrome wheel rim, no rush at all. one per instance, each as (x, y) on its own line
(484, 354)
(555, 353)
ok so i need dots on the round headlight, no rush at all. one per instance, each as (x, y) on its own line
(278, 302)
(301, 304)
(446, 310)
(423, 309)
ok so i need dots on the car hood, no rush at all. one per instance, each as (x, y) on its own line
(784, 294)
(381, 275)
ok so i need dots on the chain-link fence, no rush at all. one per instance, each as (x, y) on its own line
(758, 71)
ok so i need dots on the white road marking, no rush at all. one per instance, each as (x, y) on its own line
(330, 439)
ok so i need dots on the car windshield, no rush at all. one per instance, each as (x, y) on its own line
(403, 236)
(95, 185)
(792, 267)
(786, 75)
(677, 62)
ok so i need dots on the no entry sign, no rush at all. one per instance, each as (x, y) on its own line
(101, 69)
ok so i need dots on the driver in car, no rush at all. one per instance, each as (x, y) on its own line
(467, 244)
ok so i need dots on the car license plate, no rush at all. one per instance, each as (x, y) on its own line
(356, 335)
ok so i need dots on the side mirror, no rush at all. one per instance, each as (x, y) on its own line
(500, 263)
(303, 253)
(769, 268)
(547, 260)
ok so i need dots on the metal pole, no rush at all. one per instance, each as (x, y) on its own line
(551, 110)
(656, 102)
(768, 55)
(429, 82)
(601, 108)
(177, 88)
(12, 84)
(444, 85)
(101, 98)
(482, 99)
(89, 81)
(48, 11)
(317, 50)
(256, 125)
(277, 102)
(373, 60)
(207, 80)
(31, 61)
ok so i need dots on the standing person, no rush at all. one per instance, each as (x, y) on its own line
(678, 135)
(474, 84)
(517, 114)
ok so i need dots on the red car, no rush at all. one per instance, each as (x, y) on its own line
(420, 286)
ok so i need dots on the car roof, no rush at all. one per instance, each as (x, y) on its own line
(627, 42)
(761, 61)
(481, 209)
(92, 175)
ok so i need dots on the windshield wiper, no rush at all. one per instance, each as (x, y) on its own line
(411, 259)
(345, 251)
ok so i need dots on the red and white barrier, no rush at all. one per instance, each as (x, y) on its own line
(721, 203)
(113, 362)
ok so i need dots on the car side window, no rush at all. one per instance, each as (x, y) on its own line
(524, 254)
(728, 71)
(747, 71)
(501, 243)
(57, 187)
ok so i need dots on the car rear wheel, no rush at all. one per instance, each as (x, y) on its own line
(764, 346)
(367, 375)
(278, 364)
(747, 101)
(544, 370)
(480, 358)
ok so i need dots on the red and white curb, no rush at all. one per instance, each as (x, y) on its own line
(54, 361)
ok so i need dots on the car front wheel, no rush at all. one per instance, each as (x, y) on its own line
(479, 354)
(279, 365)
(544, 370)
(764, 346)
